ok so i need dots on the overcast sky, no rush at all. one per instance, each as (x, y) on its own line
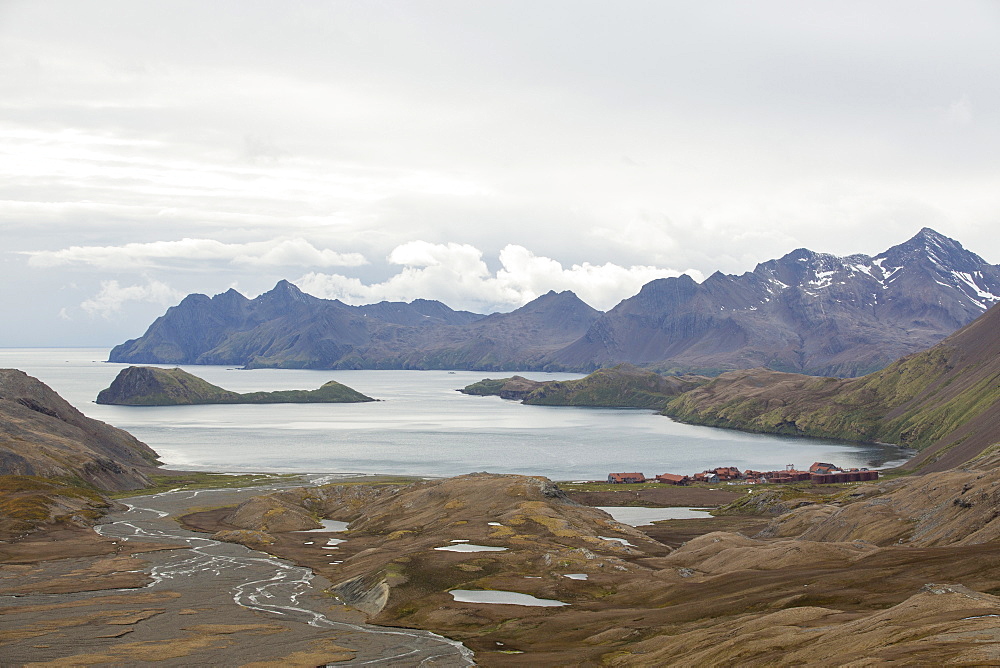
(480, 153)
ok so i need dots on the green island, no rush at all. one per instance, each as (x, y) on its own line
(152, 386)
(621, 386)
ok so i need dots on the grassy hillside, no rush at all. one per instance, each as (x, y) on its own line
(150, 386)
(945, 401)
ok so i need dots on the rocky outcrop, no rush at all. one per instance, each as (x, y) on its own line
(41, 434)
(152, 386)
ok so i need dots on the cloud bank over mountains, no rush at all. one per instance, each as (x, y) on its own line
(458, 275)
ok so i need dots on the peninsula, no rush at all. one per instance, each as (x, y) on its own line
(152, 386)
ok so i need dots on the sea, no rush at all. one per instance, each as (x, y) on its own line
(421, 425)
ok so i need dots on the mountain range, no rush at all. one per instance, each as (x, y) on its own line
(805, 312)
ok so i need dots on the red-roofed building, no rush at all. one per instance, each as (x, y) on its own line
(673, 479)
(623, 478)
(855, 475)
(823, 468)
(786, 476)
(727, 473)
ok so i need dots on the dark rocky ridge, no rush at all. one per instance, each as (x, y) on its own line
(41, 434)
(805, 312)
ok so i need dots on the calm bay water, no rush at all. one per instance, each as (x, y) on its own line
(421, 426)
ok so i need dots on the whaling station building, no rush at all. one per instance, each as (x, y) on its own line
(820, 473)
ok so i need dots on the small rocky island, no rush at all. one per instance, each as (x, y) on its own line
(152, 386)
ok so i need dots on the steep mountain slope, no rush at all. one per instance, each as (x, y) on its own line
(151, 386)
(41, 434)
(944, 401)
(805, 312)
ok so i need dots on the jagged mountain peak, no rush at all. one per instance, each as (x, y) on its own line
(286, 291)
(230, 296)
(286, 287)
(928, 245)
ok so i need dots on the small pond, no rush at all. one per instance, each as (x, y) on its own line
(502, 597)
(469, 547)
(641, 516)
(328, 525)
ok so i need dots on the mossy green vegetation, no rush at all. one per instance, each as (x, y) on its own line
(29, 501)
(152, 386)
(205, 480)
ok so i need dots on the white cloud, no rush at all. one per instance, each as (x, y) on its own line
(457, 275)
(960, 111)
(112, 296)
(601, 286)
(295, 252)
